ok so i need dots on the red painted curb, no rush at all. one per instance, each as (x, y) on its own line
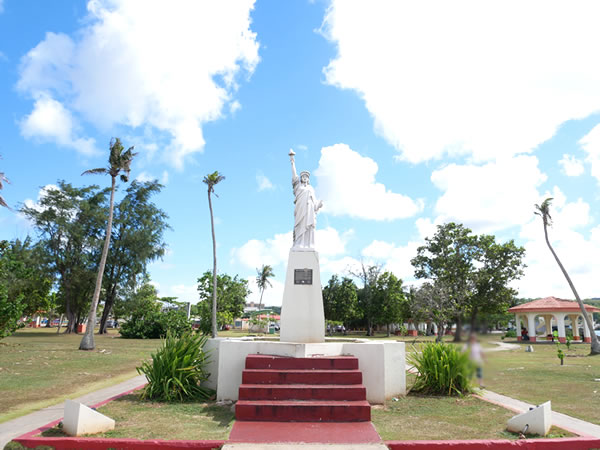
(500, 444)
(60, 443)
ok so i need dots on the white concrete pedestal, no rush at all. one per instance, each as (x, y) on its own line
(302, 316)
(382, 363)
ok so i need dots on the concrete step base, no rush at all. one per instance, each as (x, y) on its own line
(303, 411)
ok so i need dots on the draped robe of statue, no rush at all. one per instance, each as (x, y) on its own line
(305, 214)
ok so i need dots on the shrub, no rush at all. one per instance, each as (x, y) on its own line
(510, 333)
(155, 324)
(442, 370)
(177, 370)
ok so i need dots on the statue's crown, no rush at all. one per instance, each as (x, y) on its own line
(305, 172)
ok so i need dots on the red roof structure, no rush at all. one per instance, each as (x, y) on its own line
(550, 304)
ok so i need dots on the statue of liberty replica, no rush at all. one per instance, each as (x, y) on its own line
(302, 316)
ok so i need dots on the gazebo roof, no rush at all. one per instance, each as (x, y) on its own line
(550, 304)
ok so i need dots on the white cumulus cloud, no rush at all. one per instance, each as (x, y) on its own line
(274, 251)
(347, 184)
(173, 66)
(50, 121)
(571, 166)
(466, 77)
(489, 197)
(591, 145)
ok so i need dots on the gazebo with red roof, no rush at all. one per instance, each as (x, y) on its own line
(552, 308)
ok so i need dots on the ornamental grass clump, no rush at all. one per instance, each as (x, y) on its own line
(443, 369)
(177, 370)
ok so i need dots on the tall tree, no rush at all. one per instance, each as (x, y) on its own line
(211, 180)
(119, 163)
(543, 211)
(262, 280)
(448, 257)
(389, 300)
(232, 294)
(497, 265)
(433, 302)
(366, 295)
(136, 240)
(70, 224)
(340, 300)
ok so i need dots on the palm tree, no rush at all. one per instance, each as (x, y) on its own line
(262, 280)
(2, 180)
(543, 211)
(119, 162)
(211, 180)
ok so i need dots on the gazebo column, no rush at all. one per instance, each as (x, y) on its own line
(531, 327)
(560, 323)
(518, 326)
(587, 333)
(575, 326)
(548, 326)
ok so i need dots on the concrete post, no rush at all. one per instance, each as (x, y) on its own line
(575, 326)
(562, 336)
(518, 326)
(531, 326)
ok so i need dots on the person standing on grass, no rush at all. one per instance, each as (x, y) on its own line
(476, 356)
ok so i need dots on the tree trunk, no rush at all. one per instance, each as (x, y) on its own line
(87, 342)
(473, 319)
(595, 345)
(388, 330)
(214, 292)
(440, 334)
(260, 301)
(59, 324)
(458, 334)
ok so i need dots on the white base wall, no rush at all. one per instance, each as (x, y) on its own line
(383, 364)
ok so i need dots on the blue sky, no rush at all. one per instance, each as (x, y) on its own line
(407, 116)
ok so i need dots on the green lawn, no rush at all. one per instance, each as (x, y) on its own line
(39, 367)
(442, 418)
(537, 377)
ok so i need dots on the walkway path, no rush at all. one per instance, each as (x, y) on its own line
(21, 425)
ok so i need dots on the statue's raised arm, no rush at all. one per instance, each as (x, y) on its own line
(306, 207)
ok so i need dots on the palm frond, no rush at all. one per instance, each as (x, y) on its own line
(3, 203)
(99, 170)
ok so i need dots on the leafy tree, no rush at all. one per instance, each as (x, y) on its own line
(211, 181)
(147, 318)
(70, 222)
(433, 302)
(448, 257)
(231, 296)
(119, 162)
(262, 280)
(366, 295)
(136, 240)
(389, 300)
(340, 300)
(543, 211)
(497, 266)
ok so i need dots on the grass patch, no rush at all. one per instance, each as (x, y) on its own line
(39, 367)
(537, 377)
(417, 417)
(138, 419)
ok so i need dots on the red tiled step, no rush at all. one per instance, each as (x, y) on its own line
(299, 376)
(302, 392)
(281, 362)
(303, 411)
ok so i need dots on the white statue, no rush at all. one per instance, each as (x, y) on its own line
(305, 210)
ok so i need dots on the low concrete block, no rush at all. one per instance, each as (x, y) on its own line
(79, 419)
(537, 420)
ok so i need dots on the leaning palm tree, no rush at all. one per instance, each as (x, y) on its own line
(543, 211)
(211, 180)
(3, 179)
(262, 281)
(119, 163)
